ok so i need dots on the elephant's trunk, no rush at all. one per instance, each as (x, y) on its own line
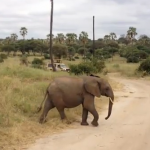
(111, 99)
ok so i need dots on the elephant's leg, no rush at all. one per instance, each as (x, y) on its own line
(84, 116)
(89, 105)
(47, 106)
(96, 116)
(63, 115)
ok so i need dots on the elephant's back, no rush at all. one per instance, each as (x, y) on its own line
(68, 81)
(69, 89)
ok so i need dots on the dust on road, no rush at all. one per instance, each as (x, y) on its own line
(128, 128)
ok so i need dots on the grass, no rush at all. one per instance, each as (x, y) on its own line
(118, 64)
(22, 90)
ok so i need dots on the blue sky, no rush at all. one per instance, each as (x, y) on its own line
(74, 16)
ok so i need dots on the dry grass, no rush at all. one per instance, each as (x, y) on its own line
(119, 64)
(22, 90)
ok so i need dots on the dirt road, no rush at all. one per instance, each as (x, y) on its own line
(128, 128)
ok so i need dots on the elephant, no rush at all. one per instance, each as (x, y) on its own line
(94, 75)
(69, 92)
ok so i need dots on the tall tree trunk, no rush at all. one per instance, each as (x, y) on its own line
(84, 53)
(93, 35)
(51, 27)
(23, 45)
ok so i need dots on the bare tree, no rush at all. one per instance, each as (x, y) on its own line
(51, 28)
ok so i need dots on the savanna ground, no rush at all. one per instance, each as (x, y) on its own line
(23, 89)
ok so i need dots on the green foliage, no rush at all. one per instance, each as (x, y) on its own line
(3, 56)
(46, 56)
(99, 64)
(94, 66)
(102, 54)
(76, 57)
(59, 50)
(37, 63)
(81, 68)
(82, 50)
(145, 65)
(144, 48)
(71, 51)
(8, 48)
(24, 60)
(132, 59)
(1, 60)
(113, 44)
(133, 54)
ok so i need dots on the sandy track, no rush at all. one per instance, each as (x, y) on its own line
(128, 128)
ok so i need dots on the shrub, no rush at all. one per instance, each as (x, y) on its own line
(138, 53)
(145, 66)
(132, 59)
(81, 68)
(1, 60)
(75, 69)
(99, 64)
(88, 67)
(37, 66)
(37, 63)
(24, 60)
(102, 54)
(76, 57)
(46, 56)
(3, 56)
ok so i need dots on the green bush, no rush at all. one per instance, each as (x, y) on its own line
(1, 60)
(94, 66)
(38, 66)
(145, 66)
(24, 60)
(81, 68)
(46, 56)
(3, 56)
(132, 59)
(102, 54)
(76, 57)
(99, 64)
(75, 69)
(37, 61)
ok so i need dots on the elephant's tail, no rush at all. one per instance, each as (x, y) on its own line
(39, 108)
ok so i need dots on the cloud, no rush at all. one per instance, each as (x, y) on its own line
(74, 16)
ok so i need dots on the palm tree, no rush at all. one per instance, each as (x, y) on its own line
(112, 36)
(71, 38)
(14, 37)
(48, 38)
(23, 32)
(83, 38)
(8, 40)
(106, 38)
(131, 33)
(144, 39)
(51, 36)
(60, 38)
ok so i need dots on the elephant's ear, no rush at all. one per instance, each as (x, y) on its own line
(93, 87)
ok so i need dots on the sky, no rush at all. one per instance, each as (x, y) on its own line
(74, 16)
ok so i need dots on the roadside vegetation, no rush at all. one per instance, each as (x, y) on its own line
(24, 76)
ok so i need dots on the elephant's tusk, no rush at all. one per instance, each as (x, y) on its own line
(111, 99)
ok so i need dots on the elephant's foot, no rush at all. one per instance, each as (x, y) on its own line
(41, 120)
(84, 124)
(94, 123)
(66, 121)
